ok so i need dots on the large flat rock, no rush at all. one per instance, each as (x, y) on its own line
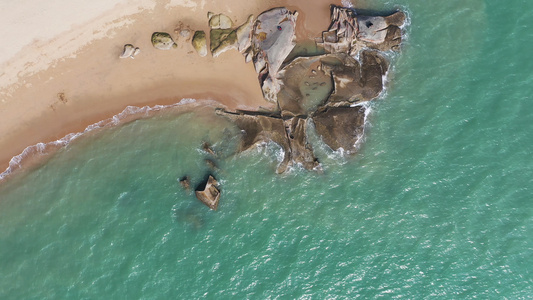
(340, 127)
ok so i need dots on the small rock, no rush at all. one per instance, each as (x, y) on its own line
(219, 21)
(210, 195)
(199, 43)
(186, 33)
(163, 41)
(129, 51)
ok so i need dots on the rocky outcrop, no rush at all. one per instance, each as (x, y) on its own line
(163, 41)
(185, 182)
(324, 88)
(209, 194)
(289, 134)
(350, 33)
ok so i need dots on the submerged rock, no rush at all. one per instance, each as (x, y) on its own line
(185, 182)
(129, 51)
(209, 194)
(199, 43)
(207, 148)
(163, 41)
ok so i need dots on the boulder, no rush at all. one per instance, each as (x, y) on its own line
(209, 194)
(163, 41)
(199, 43)
(222, 40)
(129, 51)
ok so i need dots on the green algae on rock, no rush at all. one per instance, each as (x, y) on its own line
(199, 43)
(163, 41)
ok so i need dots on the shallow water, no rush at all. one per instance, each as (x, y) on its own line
(437, 203)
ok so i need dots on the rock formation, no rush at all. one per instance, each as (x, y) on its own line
(328, 88)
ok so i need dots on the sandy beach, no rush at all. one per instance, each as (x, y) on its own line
(58, 85)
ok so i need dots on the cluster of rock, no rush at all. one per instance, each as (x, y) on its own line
(326, 89)
(208, 192)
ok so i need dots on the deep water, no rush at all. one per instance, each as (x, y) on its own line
(437, 204)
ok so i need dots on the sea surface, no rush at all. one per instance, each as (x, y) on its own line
(438, 204)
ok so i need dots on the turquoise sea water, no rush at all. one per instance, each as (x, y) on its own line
(437, 204)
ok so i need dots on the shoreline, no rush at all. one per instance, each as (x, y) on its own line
(96, 85)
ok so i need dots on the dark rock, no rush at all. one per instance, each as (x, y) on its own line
(199, 43)
(209, 194)
(373, 67)
(301, 151)
(340, 127)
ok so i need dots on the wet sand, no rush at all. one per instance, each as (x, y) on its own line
(44, 98)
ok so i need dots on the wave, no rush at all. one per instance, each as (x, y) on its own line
(41, 149)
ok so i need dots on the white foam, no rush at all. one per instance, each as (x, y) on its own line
(45, 148)
(347, 3)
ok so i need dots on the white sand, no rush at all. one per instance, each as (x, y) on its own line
(63, 47)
